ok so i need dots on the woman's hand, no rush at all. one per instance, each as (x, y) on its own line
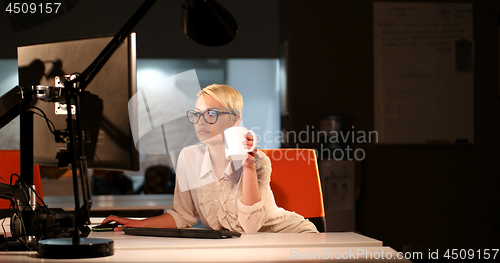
(124, 222)
(248, 143)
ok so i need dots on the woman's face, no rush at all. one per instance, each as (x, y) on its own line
(206, 132)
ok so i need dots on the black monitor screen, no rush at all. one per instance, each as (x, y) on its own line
(108, 142)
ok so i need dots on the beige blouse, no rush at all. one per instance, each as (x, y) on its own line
(217, 202)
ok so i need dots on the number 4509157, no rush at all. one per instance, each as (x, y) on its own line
(32, 8)
(471, 253)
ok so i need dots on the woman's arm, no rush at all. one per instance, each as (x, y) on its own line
(183, 208)
(162, 221)
(250, 193)
(252, 217)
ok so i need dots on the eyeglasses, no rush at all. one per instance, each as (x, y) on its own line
(210, 116)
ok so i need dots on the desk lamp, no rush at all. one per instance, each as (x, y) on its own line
(204, 21)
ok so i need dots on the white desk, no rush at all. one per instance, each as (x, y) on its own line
(268, 240)
(260, 247)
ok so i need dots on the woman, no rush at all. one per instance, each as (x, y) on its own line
(223, 194)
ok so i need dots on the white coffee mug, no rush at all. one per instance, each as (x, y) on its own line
(233, 141)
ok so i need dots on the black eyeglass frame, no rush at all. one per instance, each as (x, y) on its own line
(202, 114)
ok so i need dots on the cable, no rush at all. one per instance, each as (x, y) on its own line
(28, 207)
(17, 212)
(54, 229)
(28, 187)
(49, 122)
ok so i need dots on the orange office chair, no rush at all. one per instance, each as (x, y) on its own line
(296, 185)
(10, 162)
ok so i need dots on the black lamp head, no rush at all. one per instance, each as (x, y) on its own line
(207, 22)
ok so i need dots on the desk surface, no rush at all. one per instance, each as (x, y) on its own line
(260, 247)
(321, 254)
(268, 240)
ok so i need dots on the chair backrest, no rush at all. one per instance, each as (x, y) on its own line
(159, 179)
(295, 183)
(10, 162)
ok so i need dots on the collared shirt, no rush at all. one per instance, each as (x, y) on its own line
(200, 195)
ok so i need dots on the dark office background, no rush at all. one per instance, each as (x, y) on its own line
(427, 196)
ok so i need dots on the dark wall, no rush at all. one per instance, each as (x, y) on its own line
(159, 34)
(431, 196)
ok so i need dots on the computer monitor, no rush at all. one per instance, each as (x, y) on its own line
(108, 142)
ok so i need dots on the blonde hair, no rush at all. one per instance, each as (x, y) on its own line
(227, 96)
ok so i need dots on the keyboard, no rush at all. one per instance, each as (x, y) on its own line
(180, 232)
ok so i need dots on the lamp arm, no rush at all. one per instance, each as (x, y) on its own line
(14, 102)
(91, 71)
